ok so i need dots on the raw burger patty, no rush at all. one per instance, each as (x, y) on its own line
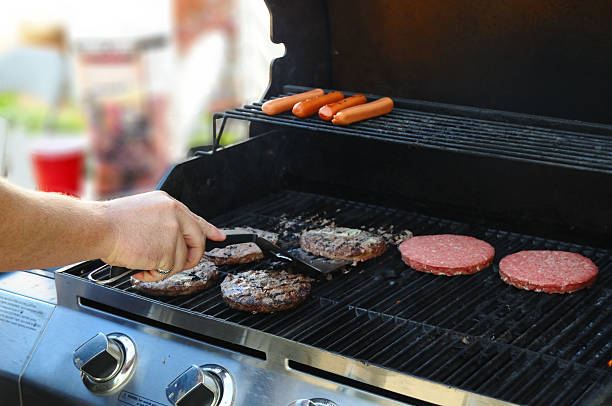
(548, 271)
(265, 291)
(241, 253)
(193, 280)
(342, 243)
(447, 254)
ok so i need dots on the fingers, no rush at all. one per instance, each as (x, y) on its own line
(194, 255)
(193, 239)
(180, 262)
(209, 230)
(189, 220)
(180, 255)
(166, 262)
(178, 240)
(149, 276)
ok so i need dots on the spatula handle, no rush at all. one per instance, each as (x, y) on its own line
(232, 237)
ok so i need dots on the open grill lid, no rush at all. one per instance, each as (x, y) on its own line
(531, 173)
(551, 58)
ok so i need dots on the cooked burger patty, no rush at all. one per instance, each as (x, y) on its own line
(265, 291)
(548, 271)
(241, 253)
(343, 243)
(447, 254)
(193, 280)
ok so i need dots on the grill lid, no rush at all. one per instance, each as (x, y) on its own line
(549, 58)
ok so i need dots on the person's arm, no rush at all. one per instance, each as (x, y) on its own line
(148, 231)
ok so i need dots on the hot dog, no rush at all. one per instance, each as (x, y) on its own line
(327, 112)
(364, 111)
(310, 106)
(281, 104)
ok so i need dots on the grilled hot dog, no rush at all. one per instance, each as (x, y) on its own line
(281, 104)
(310, 106)
(327, 112)
(364, 111)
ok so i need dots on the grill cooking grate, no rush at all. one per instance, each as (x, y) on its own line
(561, 143)
(474, 332)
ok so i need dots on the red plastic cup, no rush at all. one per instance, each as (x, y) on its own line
(58, 165)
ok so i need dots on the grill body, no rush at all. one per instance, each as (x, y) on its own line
(382, 324)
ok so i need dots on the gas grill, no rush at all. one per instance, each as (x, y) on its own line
(378, 333)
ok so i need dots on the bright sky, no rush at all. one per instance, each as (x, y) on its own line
(90, 18)
(195, 79)
(134, 18)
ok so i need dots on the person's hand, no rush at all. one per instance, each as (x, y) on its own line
(153, 231)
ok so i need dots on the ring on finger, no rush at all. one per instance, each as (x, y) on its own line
(163, 271)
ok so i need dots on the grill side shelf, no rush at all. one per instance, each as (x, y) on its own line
(541, 140)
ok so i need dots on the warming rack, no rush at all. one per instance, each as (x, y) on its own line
(469, 130)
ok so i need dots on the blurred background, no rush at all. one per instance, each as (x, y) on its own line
(98, 98)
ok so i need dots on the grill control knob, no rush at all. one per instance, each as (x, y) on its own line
(206, 385)
(105, 361)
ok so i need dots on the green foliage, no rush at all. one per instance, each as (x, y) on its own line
(31, 116)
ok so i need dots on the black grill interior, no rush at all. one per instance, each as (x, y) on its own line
(547, 58)
(474, 332)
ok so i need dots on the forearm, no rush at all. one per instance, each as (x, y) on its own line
(39, 230)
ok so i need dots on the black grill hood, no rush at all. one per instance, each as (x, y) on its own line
(550, 58)
(548, 64)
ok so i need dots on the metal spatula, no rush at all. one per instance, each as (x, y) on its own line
(304, 262)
